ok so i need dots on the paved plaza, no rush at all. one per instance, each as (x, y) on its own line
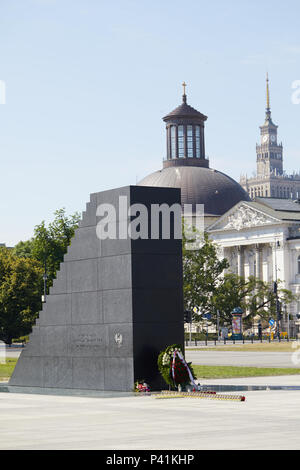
(266, 420)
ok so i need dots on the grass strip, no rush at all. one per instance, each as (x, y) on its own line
(7, 369)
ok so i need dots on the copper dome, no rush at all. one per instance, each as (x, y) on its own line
(217, 191)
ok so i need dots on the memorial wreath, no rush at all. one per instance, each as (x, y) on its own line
(174, 369)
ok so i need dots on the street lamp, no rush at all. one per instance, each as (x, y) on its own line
(278, 306)
(45, 277)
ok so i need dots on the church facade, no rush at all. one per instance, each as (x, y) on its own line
(270, 179)
(261, 238)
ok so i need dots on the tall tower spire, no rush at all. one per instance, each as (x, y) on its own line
(269, 152)
(268, 93)
(268, 109)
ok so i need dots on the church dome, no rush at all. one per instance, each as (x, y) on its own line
(186, 166)
(217, 191)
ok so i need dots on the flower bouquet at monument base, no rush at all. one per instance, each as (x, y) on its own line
(175, 371)
(141, 386)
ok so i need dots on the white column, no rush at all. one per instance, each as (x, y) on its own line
(257, 262)
(240, 261)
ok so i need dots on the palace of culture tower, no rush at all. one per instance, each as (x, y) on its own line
(270, 179)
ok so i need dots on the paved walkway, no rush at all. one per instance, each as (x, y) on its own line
(267, 420)
(10, 352)
(279, 380)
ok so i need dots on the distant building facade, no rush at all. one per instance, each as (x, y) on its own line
(270, 179)
(261, 238)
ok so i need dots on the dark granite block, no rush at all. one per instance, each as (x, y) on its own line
(88, 373)
(57, 311)
(28, 372)
(57, 372)
(114, 305)
(117, 306)
(87, 308)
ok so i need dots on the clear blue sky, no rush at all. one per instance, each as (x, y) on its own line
(88, 81)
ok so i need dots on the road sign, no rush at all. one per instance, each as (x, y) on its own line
(271, 322)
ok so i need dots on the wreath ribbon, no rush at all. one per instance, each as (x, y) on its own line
(185, 365)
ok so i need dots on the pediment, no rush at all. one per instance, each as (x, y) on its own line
(241, 217)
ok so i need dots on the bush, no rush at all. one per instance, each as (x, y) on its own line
(200, 336)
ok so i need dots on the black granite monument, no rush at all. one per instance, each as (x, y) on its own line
(116, 303)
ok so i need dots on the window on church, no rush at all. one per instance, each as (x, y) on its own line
(173, 142)
(299, 264)
(190, 147)
(197, 129)
(180, 142)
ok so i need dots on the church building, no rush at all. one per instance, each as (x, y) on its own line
(261, 238)
(187, 167)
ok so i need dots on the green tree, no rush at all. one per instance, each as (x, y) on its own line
(254, 296)
(202, 273)
(207, 286)
(20, 294)
(24, 249)
(51, 242)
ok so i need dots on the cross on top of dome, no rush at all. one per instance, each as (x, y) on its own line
(185, 110)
